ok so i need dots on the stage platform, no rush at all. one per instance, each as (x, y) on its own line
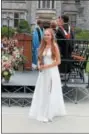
(21, 87)
(24, 78)
(29, 78)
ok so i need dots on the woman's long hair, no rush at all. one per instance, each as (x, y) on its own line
(43, 46)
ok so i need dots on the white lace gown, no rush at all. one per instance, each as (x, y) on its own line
(47, 99)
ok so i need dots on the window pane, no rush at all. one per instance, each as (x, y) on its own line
(16, 21)
(48, 4)
(44, 3)
(52, 3)
(39, 4)
(16, 15)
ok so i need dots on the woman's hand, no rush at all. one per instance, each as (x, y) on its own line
(41, 67)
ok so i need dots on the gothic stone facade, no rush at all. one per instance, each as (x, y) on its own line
(16, 10)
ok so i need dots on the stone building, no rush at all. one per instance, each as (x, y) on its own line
(15, 10)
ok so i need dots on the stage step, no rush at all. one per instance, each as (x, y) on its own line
(17, 95)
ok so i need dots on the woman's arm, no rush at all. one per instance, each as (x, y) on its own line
(38, 64)
(56, 62)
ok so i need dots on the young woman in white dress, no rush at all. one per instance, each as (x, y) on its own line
(47, 99)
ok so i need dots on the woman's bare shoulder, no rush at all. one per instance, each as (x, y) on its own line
(56, 45)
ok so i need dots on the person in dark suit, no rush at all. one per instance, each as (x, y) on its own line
(53, 25)
(64, 34)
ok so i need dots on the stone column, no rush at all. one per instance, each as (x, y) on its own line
(28, 5)
(33, 12)
(58, 8)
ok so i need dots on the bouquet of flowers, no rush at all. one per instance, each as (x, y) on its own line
(17, 57)
(7, 67)
(12, 58)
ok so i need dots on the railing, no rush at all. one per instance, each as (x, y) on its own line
(76, 56)
(74, 59)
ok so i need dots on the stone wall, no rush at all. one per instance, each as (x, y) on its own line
(30, 11)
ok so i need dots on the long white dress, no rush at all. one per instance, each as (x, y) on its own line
(48, 97)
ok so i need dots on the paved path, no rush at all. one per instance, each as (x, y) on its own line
(15, 120)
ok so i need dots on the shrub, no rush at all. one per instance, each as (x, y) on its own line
(23, 26)
(4, 31)
(81, 34)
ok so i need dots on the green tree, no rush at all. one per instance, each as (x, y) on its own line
(23, 26)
